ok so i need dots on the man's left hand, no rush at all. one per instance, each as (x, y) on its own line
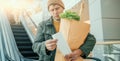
(74, 55)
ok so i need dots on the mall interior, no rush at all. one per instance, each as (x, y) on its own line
(19, 20)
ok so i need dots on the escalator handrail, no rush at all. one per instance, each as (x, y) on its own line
(30, 18)
(9, 41)
(2, 56)
(23, 20)
(29, 32)
(3, 52)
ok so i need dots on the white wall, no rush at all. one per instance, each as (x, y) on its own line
(111, 19)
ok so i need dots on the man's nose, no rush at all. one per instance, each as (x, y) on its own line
(55, 11)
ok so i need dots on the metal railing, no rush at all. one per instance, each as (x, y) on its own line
(108, 42)
(111, 49)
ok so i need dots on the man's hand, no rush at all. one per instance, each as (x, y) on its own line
(51, 44)
(74, 55)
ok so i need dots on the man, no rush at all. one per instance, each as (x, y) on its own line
(45, 45)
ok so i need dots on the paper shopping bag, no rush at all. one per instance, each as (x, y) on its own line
(75, 33)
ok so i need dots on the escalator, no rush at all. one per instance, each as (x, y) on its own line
(23, 42)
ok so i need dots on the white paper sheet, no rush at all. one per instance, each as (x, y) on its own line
(62, 44)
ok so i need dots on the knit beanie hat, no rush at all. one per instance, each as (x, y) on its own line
(59, 2)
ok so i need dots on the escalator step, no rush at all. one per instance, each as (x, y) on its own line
(22, 38)
(15, 25)
(19, 31)
(20, 34)
(24, 47)
(17, 28)
(35, 57)
(27, 52)
(23, 42)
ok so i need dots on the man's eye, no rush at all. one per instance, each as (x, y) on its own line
(52, 10)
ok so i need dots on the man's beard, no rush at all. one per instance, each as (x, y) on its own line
(57, 19)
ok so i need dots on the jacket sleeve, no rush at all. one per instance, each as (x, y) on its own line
(88, 45)
(39, 44)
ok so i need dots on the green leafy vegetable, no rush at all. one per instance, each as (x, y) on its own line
(70, 15)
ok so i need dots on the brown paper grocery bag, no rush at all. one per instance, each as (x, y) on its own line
(75, 33)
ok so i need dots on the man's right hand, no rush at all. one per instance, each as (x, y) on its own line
(51, 44)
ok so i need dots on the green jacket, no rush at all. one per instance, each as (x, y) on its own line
(45, 30)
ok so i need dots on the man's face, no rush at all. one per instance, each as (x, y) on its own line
(55, 10)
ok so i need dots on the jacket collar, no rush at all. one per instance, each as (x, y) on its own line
(50, 21)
